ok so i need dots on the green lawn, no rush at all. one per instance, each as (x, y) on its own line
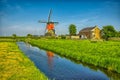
(14, 65)
(103, 54)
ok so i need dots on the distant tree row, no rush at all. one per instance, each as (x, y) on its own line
(28, 35)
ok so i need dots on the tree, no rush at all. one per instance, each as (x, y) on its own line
(29, 35)
(118, 34)
(72, 29)
(108, 31)
(14, 36)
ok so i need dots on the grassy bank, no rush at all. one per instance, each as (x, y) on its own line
(14, 65)
(102, 54)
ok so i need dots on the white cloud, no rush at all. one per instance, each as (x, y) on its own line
(7, 7)
(62, 28)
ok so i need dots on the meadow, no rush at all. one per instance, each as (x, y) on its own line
(14, 65)
(105, 54)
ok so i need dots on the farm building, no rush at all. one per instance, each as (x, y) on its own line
(90, 33)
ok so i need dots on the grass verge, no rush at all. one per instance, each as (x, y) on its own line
(102, 54)
(14, 65)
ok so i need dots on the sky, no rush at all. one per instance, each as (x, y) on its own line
(21, 17)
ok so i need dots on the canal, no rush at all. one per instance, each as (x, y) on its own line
(56, 67)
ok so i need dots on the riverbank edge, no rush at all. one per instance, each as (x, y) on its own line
(24, 64)
(74, 59)
(41, 73)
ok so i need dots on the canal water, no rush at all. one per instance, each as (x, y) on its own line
(60, 68)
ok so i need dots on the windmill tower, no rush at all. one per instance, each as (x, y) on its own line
(50, 26)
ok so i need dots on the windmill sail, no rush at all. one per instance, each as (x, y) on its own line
(40, 21)
(49, 15)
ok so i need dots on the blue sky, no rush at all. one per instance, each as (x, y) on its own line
(21, 16)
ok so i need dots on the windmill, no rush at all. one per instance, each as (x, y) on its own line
(49, 30)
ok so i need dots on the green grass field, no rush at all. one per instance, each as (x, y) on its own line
(14, 65)
(104, 54)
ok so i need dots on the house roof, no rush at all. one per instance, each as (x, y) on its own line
(87, 29)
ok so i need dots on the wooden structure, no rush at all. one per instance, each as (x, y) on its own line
(49, 30)
(90, 33)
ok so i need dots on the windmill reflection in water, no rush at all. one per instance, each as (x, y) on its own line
(50, 56)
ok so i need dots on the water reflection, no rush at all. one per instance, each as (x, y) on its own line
(112, 75)
(27, 44)
(59, 68)
(50, 56)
